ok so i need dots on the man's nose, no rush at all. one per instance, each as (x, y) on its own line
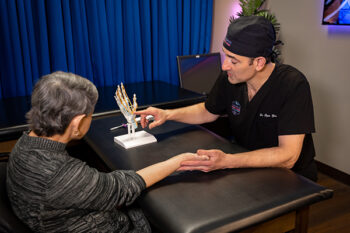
(225, 65)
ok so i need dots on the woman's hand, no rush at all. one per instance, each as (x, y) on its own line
(189, 157)
(215, 159)
(159, 171)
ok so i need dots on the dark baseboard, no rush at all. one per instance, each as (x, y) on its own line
(334, 173)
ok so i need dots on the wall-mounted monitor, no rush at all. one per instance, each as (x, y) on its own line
(336, 12)
(198, 73)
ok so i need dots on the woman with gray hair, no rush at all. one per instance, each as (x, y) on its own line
(53, 192)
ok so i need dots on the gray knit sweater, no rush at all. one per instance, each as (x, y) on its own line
(53, 192)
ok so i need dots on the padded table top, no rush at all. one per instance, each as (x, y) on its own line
(195, 201)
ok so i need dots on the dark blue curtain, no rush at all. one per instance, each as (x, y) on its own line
(106, 41)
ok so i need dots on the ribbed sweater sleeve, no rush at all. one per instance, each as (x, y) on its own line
(76, 185)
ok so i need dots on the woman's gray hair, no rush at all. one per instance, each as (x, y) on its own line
(56, 99)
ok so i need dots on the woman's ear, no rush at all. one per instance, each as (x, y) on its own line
(75, 125)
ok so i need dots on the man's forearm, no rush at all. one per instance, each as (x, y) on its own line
(267, 157)
(194, 114)
(284, 155)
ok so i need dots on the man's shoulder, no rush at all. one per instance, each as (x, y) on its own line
(288, 69)
(288, 74)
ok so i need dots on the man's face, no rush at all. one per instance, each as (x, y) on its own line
(239, 68)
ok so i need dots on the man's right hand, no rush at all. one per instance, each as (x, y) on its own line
(159, 115)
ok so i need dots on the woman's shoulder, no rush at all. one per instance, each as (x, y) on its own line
(37, 155)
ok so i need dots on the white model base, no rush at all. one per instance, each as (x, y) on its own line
(140, 138)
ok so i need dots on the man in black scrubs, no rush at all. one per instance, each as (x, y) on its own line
(269, 105)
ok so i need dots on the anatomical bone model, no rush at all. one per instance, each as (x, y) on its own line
(127, 108)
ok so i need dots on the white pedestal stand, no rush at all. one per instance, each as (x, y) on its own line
(134, 139)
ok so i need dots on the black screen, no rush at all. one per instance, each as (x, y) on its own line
(198, 73)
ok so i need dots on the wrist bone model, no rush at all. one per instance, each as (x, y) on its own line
(127, 108)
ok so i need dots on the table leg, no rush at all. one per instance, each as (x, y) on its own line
(302, 218)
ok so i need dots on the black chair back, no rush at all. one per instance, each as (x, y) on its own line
(198, 73)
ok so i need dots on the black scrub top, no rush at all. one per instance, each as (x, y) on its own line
(282, 106)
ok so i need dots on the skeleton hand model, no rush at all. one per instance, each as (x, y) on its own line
(127, 108)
